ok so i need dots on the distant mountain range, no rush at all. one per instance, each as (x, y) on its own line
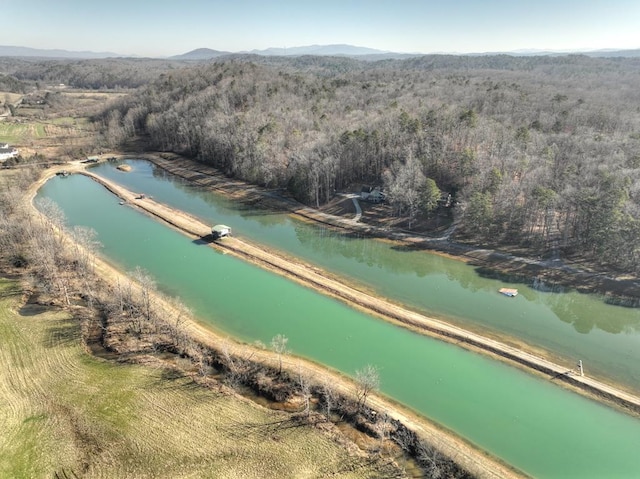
(373, 54)
(319, 50)
(604, 53)
(13, 51)
(323, 50)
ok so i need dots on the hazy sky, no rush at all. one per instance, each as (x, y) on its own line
(169, 27)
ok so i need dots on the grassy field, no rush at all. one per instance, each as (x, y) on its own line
(66, 413)
(18, 133)
(63, 123)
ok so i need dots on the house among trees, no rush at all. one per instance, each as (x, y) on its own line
(372, 193)
(445, 200)
(7, 152)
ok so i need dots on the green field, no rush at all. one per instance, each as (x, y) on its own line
(69, 121)
(18, 133)
(66, 413)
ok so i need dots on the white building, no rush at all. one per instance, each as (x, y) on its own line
(7, 152)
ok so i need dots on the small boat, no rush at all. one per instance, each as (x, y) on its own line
(220, 231)
(511, 292)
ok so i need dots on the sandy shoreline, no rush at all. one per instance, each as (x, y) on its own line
(314, 278)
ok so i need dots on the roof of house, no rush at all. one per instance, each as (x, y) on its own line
(220, 228)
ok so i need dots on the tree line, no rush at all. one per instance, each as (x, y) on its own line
(539, 152)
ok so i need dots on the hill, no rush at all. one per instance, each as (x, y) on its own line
(200, 54)
(17, 51)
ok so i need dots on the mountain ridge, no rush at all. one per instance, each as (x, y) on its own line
(343, 50)
(19, 51)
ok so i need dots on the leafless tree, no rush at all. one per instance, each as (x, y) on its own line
(304, 385)
(234, 365)
(177, 316)
(85, 247)
(329, 397)
(147, 286)
(367, 381)
(279, 346)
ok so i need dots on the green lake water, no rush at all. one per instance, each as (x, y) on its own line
(528, 422)
(571, 325)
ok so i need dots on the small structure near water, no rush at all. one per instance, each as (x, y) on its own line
(220, 231)
(372, 194)
(511, 292)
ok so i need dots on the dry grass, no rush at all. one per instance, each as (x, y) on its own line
(9, 97)
(67, 412)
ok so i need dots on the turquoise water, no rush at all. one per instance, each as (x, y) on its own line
(528, 422)
(571, 325)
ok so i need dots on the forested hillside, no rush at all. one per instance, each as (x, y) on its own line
(108, 73)
(538, 151)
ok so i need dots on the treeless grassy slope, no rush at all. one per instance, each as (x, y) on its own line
(69, 413)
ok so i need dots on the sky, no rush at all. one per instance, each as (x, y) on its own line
(158, 28)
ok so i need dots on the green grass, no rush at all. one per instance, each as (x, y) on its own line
(20, 133)
(12, 132)
(65, 411)
(65, 121)
(40, 132)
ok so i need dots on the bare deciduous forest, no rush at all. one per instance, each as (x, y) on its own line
(538, 153)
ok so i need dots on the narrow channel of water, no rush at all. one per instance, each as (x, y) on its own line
(571, 325)
(529, 422)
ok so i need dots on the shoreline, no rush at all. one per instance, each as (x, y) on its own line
(475, 460)
(319, 280)
(316, 279)
(621, 289)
